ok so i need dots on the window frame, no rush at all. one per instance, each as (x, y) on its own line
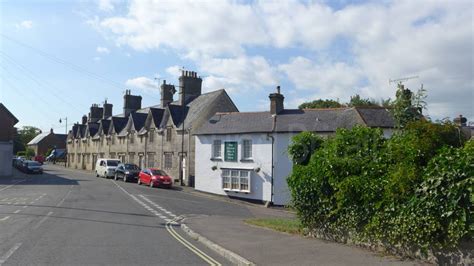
(233, 182)
(243, 155)
(214, 155)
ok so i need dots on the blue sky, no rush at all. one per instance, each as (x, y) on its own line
(59, 57)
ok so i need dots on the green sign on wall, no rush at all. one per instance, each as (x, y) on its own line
(230, 151)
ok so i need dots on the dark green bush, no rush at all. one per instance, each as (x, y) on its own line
(413, 190)
(302, 146)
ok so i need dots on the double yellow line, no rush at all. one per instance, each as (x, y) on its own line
(195, 250)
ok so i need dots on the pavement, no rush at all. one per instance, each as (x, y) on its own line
(70, 217)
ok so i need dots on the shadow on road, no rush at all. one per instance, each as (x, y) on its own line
(47, 178)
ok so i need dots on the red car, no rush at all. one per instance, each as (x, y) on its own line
(154, 177)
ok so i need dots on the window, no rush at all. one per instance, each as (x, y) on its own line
(151, 160)
(168, 134)
(247, 149)
(168, 160)
(113, 139)
(226, 179)
(236, 180)
(151, 136)
(132, 137)
(216, 149)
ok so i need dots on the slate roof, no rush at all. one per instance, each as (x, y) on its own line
(138, 120)
(41, 136)
(290, 120)
(157, 115)
(118, 123)
(92, 129)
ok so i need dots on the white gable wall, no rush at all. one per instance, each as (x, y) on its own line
(210, 181)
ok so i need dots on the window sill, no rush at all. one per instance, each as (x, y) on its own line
(236, 190)
(217, 159)
(247, 160)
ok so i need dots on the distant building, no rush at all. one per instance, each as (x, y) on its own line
(156, 136)
(244, 155)
(7, 133)
(46, 141)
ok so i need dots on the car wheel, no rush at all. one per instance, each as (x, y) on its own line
(125, 178)
(139, 182)
(115, 177)
(151, 184)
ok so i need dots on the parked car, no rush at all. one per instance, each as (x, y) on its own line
(32, 167)
(127, 171)
(39, 158)
(106, 167)
(154, 177)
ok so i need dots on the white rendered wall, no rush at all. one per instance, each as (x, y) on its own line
(210, 181)
(6, 154)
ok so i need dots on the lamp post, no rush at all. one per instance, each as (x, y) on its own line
(65, 120)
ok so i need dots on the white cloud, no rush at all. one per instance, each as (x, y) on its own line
(102, 50)
(97, 58)
(106, 5)
(142, 83)
(374, 41)
(25, 24)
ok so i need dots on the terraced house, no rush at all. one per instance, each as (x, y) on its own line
(156, 136)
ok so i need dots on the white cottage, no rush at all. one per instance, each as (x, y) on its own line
(244, 155)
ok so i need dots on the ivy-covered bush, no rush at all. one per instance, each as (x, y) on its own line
(412, 191)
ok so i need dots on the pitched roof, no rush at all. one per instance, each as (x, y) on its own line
(138, 120)
(118, 123)
(315, 120)
(157, 115)
(41, 136)
(6, 111)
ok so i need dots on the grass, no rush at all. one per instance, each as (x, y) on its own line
(291, 226)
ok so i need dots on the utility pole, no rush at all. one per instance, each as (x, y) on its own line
(181, 173)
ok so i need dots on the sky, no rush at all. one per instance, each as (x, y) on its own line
(59, 57)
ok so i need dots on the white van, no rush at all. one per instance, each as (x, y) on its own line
(106, 167)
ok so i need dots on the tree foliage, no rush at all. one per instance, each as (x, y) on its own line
(413, 190)
(25, 135)
(408, 106)
(320, 103)
(357, 101)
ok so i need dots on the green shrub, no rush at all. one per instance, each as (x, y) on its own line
(302, 146)
(413, 190)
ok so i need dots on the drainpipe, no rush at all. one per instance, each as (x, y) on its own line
(273, 165)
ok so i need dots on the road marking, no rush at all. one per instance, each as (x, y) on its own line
(25, 206)
(170, 229)
(9, 186)
(7, 255)
(4, 218)
(17, 211)
(42, 220)
(63, 199)
(190, 246)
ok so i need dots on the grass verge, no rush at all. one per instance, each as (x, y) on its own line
(291, 226)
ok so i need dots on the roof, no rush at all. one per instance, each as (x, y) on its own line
(157, 115)
(6, 111)
(295, 120)
(41, 136)
(118, 123)
(138, 120)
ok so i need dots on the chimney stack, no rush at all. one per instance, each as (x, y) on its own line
(460, 121)
(276, 102)
(190, 86)
(167, 92)
(95, 113)
(131, 103)
(51, 131)
(84, 119)
(107, 110)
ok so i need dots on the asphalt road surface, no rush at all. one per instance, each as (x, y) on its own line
(70, 217)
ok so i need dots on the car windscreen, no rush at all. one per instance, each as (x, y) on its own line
(131, 167)
(112, 163)
(34, 164)
(158, 172)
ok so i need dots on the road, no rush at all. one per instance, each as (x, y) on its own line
(70, 217)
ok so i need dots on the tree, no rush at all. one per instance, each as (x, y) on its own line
(25, 135)
(357, 101)
(320, 103)
(408, 106)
